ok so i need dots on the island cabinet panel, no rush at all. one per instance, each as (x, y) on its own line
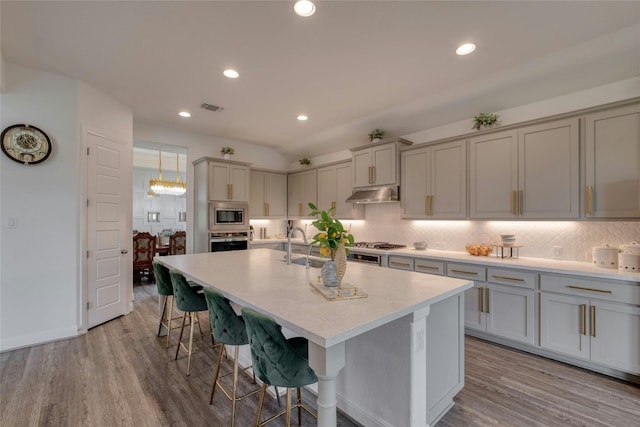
(613, 163)
(268, 195)
(334, 187)
(592, 320)
(532, 172)
(301, 189)
(387, 398)
(435, 181)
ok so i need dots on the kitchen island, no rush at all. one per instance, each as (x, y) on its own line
(400, 350)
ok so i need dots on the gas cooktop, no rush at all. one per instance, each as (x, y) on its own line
(378, 245)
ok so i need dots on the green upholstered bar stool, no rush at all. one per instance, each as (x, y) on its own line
(228, 329)
(278, 361)
(190, 301)
(165, 288)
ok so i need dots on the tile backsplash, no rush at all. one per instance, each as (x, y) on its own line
(383, 222)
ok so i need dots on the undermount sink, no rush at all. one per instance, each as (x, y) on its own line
(313, 263)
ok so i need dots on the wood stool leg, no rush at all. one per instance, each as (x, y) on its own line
(215, 378)
(169, 298)
(162, 316)
(299, 404)
(184, 317)
(288, 409)
(234, 389)
(190, 343)
(263, 389)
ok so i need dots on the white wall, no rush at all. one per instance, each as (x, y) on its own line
(41, 274)
(38, 279)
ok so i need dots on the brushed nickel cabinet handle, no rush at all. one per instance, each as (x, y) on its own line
(580, 288)
(427, 267)
(401, 264)
(521, 202)
(465, 272)
(593, 321)
(513, 202)
(373, 174)
(583, 319)
(515, 279)
(370, 174)
(481, 300)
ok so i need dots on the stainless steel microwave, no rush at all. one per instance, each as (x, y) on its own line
(228, 216)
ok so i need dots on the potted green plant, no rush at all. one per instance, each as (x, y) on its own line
(227, 152)
(484, 120)
(332, 239)
(304, 162)
(376, 135)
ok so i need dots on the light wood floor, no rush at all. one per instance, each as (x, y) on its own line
(120, 374)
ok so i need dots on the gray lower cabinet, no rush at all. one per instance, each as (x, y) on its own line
(591, 320)
(501, 303)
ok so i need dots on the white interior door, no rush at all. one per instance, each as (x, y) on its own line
(108, 228)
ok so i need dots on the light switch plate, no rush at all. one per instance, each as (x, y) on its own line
(12, 222)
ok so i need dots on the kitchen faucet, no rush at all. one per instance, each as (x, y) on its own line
(304, 237)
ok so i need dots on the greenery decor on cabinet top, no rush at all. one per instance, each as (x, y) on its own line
(485, 120)
(376, 135)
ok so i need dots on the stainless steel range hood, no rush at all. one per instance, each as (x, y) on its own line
(374, 195)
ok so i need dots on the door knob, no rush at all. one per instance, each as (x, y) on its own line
(124, 251)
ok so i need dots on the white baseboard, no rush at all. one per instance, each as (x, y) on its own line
(14, 343)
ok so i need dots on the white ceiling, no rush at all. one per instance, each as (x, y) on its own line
(352, 67)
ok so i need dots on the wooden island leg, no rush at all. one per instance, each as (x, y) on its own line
(327, 364)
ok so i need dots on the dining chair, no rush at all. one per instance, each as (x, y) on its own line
(228, 329)
(144, 249)
(190, 302)
(279, 362)
(178, 243)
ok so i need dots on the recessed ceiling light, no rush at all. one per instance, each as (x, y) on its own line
(465, 49)
(232, 74)
(302, 117)
(304, 8)
(184, 114)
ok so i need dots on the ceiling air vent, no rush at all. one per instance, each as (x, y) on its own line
(211, 107)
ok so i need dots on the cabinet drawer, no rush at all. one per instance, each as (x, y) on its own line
(427, 266)
(400, 263)
(625, 292)
(466, 271)
(511, 277)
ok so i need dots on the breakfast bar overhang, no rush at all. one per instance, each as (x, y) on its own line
(393, 358)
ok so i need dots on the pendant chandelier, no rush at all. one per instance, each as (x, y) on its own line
(171, 188)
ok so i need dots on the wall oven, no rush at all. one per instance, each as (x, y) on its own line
(234, 241)
(229, 217)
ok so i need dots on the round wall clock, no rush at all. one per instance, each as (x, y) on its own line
(26, 144)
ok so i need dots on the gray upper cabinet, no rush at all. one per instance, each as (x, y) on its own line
(377, 164)
(334, 188)
(532, 172)
(612, 154)
(301, 189)
(228, 181)
(268, 195)
(434, 181)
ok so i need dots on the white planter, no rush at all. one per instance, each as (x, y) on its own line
(226, 156)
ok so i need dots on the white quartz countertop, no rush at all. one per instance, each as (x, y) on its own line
(262, 280)
(536, 264)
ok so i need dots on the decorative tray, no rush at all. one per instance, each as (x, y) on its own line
(335, 294)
